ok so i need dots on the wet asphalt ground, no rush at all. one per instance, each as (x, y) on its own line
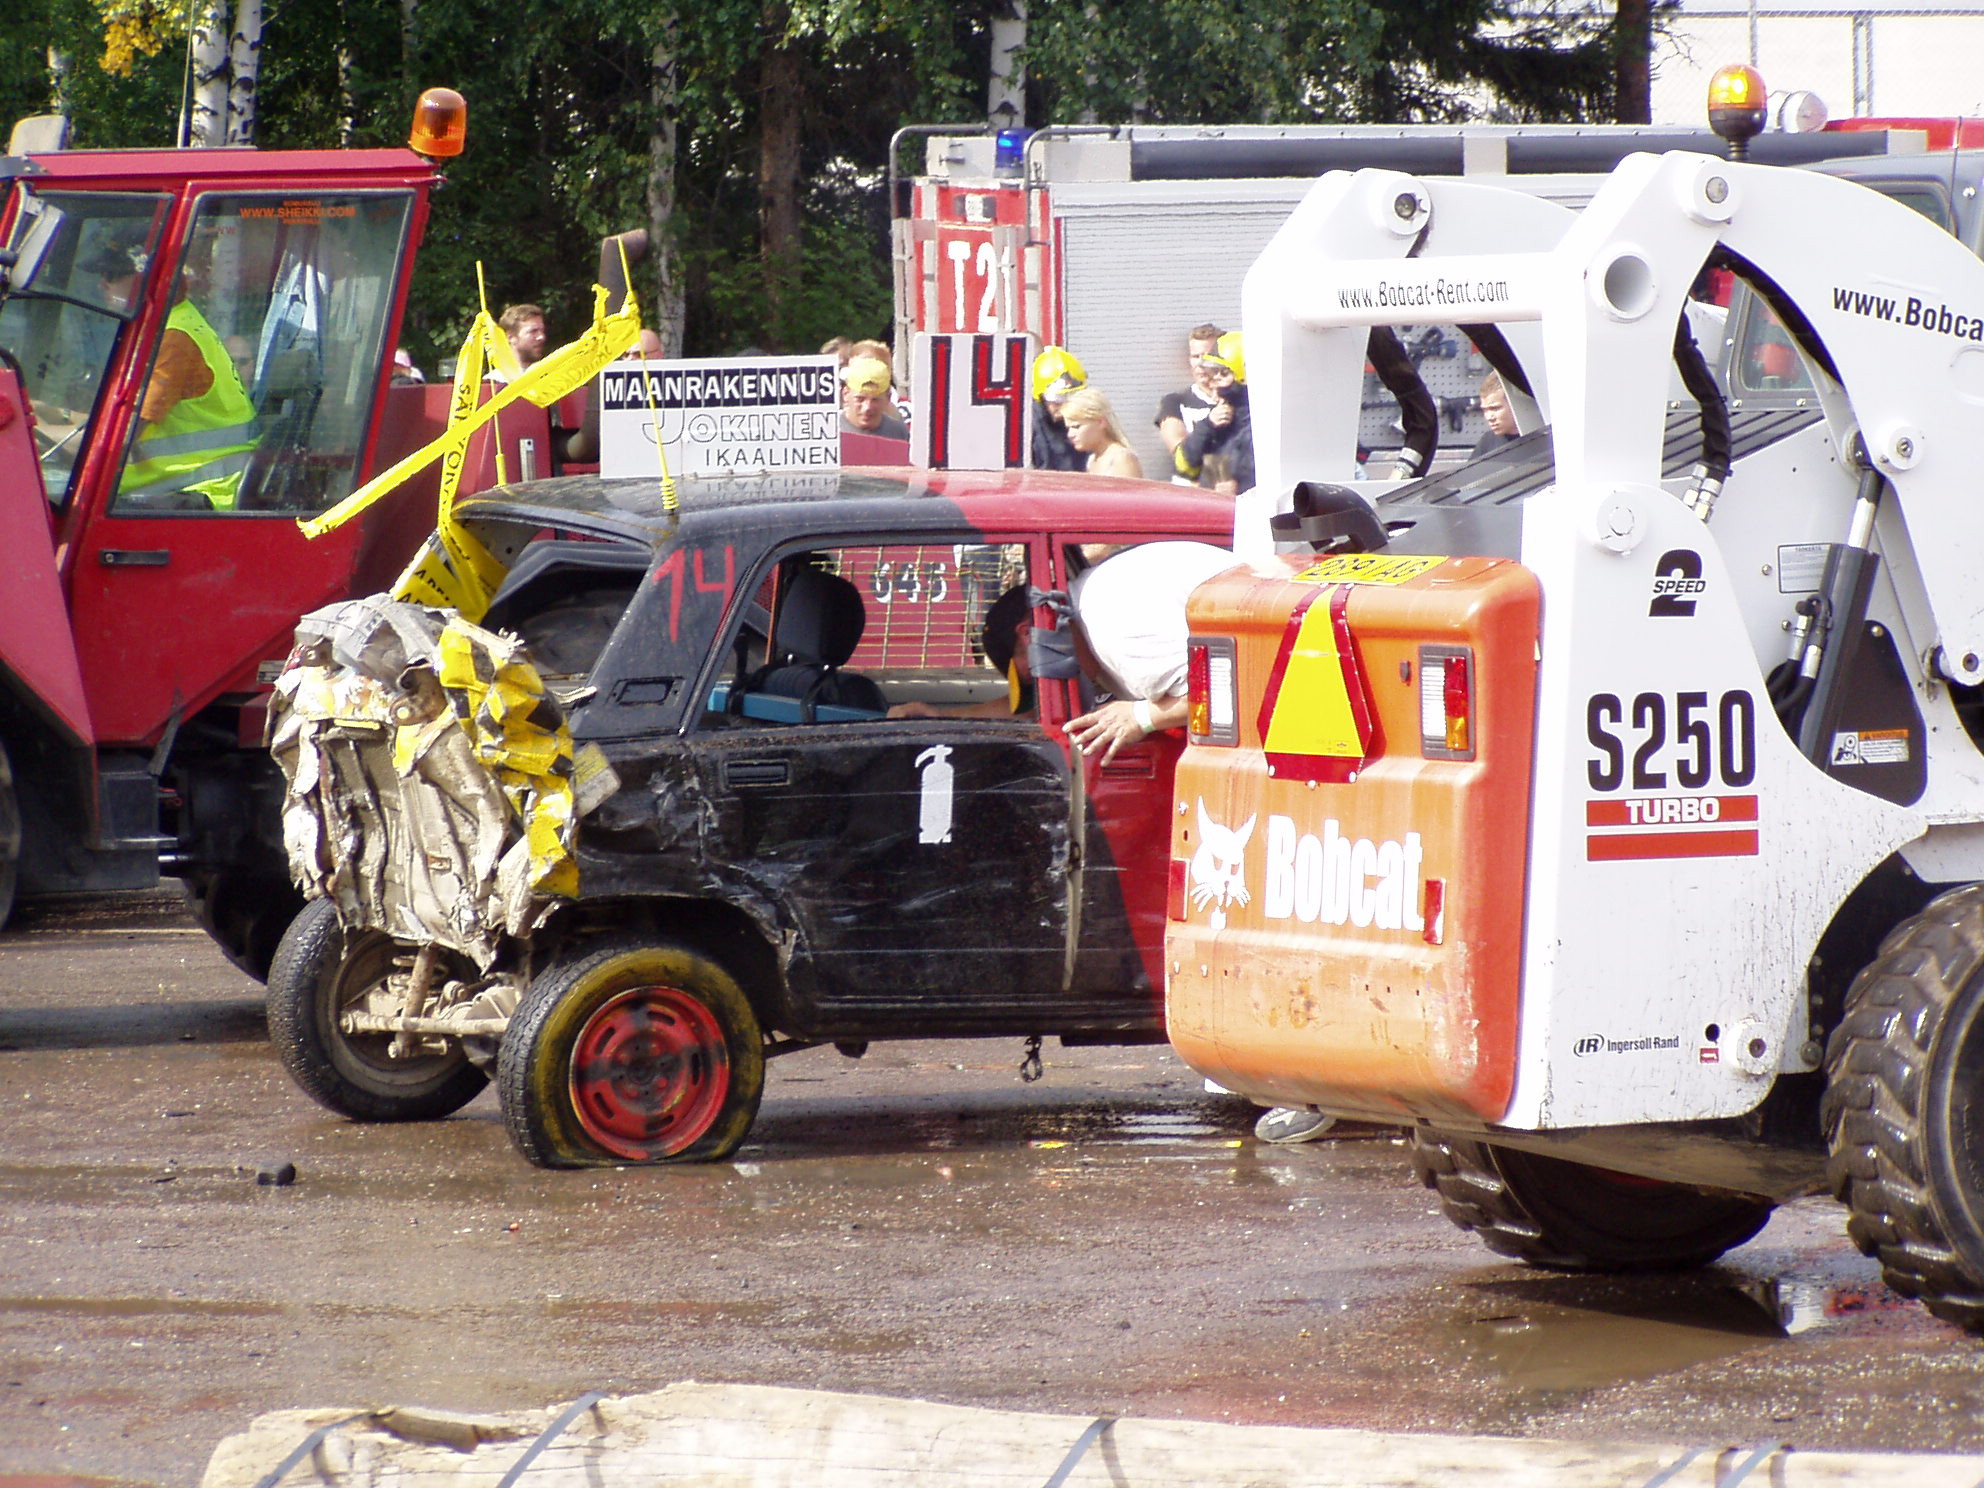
(1110, 1240)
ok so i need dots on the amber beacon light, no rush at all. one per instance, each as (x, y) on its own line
(440, 124)
(1737, 105)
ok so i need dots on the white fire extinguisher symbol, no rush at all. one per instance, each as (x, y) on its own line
(934, 818)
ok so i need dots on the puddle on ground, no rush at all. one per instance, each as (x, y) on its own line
(137, 1307)
(1566, 1334)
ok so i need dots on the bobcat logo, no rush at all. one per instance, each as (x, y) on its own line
(1218, 870)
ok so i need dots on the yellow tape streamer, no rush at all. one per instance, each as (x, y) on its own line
(567, 369)
(520, 735)
(452, 570)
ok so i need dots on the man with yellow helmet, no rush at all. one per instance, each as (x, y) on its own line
(1056, 373)
(1221, 444)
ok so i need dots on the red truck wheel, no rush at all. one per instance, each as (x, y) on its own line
(640, 1052)
(1575, 1217)
(246, 913)
(1903, 1105)
(10, 838)
(320, 972)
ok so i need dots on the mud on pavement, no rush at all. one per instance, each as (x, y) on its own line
(1109, 1240)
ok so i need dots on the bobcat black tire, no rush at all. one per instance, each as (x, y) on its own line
(1903, 1118)
(1545, 1211)
(318, 972)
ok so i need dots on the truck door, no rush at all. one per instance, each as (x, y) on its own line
(922, 860)
(62, 335)
(1121, 824)
(251, 408)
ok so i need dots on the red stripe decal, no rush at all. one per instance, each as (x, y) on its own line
(1670, 845)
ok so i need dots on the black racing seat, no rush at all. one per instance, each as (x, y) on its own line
(820, 621)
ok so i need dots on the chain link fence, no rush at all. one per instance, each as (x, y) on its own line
(1907, 61)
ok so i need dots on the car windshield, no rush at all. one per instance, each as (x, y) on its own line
(62, 331)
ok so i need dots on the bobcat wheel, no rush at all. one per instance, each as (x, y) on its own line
(1904, 1108)
(1571, 1216)
(321, 972)
(639, 1052)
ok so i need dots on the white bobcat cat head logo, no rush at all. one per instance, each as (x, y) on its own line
(1219, 874)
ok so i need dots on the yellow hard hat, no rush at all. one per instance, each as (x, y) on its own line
(1057, 372)
(1229, 352)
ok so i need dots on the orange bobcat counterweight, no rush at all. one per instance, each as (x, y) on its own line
(1366, 822)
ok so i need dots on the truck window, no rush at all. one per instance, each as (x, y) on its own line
(62, 332)
(923, 609)
(260, 391)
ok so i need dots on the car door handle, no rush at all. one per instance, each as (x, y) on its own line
(758, 774)
(1140, 766)
(134, 557)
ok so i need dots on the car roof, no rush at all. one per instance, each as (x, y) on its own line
(881, 499)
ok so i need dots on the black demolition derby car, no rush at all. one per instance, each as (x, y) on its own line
(647, 821)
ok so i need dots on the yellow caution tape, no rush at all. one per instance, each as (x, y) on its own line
(519, 734)
(568, 368)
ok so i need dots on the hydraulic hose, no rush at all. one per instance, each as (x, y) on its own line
(1712, 469)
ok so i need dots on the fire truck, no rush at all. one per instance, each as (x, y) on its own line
(148, 530)
(1115, 240)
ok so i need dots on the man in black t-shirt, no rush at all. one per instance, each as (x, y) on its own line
(1180, 412)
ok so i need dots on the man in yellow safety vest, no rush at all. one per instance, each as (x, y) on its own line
(196, 424)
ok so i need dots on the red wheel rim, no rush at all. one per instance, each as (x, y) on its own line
(650, 1072)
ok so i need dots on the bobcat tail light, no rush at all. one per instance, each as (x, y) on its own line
(1174, 898)
(1214, 716)
(1446, 702)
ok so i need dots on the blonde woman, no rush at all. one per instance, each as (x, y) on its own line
(1094, 431)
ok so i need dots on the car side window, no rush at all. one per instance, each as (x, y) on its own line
(847, 634)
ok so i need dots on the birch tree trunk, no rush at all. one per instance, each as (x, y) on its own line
(1005, 91)
(667, 308)
(208, 49)
(244, 67)
(409, 51)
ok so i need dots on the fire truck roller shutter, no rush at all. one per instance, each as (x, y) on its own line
(1122, 259)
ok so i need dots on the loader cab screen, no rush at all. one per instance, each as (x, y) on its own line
(1765, 368)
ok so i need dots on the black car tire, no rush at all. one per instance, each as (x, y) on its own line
(318, 971)
(1904, 1108)
(1569, 1216)
(634, 1051)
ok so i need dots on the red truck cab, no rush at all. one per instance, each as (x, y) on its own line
(194, 349)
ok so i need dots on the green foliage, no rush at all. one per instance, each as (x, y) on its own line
(839, 287)
(561, 116)
(135, 108)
